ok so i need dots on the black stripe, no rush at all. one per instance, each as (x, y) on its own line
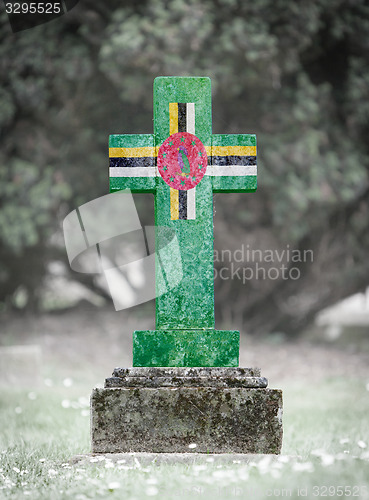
(144, 161)
(233, 160)
(182, 117)
(182, 202)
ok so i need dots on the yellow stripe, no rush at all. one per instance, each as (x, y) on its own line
(132, 152)
(173, 129)
(173, 118)
(174, 204)
(232, 151)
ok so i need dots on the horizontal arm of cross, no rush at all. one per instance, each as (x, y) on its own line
(132, 163)
(231, 163)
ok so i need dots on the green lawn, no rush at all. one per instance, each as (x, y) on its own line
(325, 451)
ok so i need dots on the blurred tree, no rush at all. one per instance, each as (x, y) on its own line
(297, 74)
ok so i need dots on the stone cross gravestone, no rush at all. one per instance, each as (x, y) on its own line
(185, 385)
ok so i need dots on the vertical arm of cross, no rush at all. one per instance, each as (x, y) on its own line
(183, 104)
(132, 163)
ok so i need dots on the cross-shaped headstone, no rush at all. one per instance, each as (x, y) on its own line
(183, 164)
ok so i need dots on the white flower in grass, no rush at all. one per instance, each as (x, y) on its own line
(219, 474)
(65, 403)
(18, 410)
(26, 492)
(67, 382)
(94, 459)
(15, 469)
(124, 467)
(210, 459)
(243, 474)
(264, 464)
(199, 467)
(152, 480)
(109, 465)
(123, 461)
(318, 453)
(341, 456)
(84, 402)
(277, 465)
(114, 485)
(327, 460)
(52, 472)
(303, 467)
(344, 440)
(275, 473)
(85, 413)
(361, 444)
(192, 446)
(152, 491)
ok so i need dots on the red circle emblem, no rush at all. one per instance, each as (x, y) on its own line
(182, 161)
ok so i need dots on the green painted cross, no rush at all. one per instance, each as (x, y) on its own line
(183, 164)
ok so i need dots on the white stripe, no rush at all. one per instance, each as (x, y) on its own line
(132, 172)
(190, 115)
(191, 203)
(231, 170)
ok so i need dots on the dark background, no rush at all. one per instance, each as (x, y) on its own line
(294, 73)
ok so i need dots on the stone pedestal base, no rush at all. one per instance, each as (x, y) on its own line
(169, 410)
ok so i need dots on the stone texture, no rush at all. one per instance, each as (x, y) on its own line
(186, 348)
(165, 419)
(186, 372)
(252, 382)
(186, 377)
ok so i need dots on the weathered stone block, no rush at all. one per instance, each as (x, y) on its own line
(217, 418)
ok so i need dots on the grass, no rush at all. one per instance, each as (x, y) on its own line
(325, 451)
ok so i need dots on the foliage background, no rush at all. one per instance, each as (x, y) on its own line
(294, 73)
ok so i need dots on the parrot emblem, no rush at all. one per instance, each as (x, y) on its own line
(183, 162)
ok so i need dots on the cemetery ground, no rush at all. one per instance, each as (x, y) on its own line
(45, 423)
